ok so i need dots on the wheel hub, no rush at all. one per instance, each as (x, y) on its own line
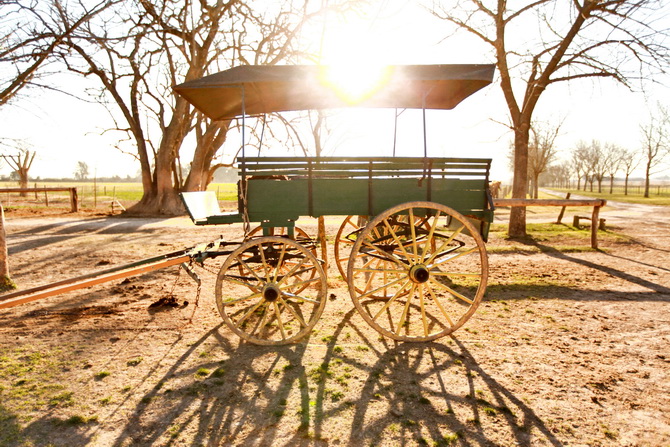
(271, 292)
(419, 274)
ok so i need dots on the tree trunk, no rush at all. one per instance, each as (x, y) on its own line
(611, 183)
(647, 174)
(23, 180)
(625, 186)
(6, 282)
(517, 217)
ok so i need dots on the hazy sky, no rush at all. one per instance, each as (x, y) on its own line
(65, 130)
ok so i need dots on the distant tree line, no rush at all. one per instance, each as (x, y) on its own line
(590, 164)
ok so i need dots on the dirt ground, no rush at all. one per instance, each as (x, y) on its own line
(570, 347)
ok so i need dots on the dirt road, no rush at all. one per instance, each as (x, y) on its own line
(570, 347)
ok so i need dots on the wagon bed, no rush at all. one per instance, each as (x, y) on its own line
(276, 191)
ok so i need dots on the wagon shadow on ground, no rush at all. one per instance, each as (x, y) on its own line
(354, 390)
(652, 286)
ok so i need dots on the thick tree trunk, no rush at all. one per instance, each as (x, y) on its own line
(517, 218)
(23, 180)
(6, 282)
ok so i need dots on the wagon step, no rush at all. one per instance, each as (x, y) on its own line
(197, 253)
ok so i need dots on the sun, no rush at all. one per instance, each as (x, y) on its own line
(355, 82)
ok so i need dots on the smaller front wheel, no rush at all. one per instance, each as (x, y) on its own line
(271, 291)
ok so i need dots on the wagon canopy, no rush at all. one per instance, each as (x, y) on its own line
(257, 89)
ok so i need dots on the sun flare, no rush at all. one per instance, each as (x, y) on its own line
(356, 82)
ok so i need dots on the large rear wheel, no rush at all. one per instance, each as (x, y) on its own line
(430, 264)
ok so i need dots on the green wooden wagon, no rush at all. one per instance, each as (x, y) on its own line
(411, 244)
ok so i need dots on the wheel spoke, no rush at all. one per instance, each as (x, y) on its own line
(244, 264)
(248, 314)
(423, 311)
(405, 310)
(242, 283)
(264, 262)
(441, 273)
(298, 284)
(264, 321)
(372, 292)
(279, 321)
(279, 263)
(415, 249)
(430, 236)
(237, 300)
(356, 269)
(386, 255)
(439, 305)
(301, 298)
(453, 292)
(456, 256)
(395, 238)
(293, 312)
(292, 271)
(447, 242)
(391, 300)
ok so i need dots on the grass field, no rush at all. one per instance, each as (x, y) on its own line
(122, 191)
(658, 195)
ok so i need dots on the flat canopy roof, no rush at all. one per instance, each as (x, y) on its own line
(257, 89)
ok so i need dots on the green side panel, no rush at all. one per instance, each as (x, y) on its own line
(284, 200)
(337, 197)
(277, 200)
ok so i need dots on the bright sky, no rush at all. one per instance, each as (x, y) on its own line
(64, 130)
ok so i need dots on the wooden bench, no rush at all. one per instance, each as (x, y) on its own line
(576, 219)
(595, 203)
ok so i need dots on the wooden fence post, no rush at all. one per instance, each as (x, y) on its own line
(74, 202)
(594, 227)
(560, 215)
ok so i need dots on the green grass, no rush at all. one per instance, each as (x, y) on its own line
(634, 195)
(123, 191)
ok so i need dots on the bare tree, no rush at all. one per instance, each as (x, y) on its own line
(21, 163)
(597, 163)
(570, 40)
(578, 162)
(81, 172)
(146, 47)
(541, 151)
(655, 143)
(629, 162)
(29, 39)
(613, 160)
(557, 175)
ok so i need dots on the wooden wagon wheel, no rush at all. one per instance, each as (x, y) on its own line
(435, 275)
(271, 291)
